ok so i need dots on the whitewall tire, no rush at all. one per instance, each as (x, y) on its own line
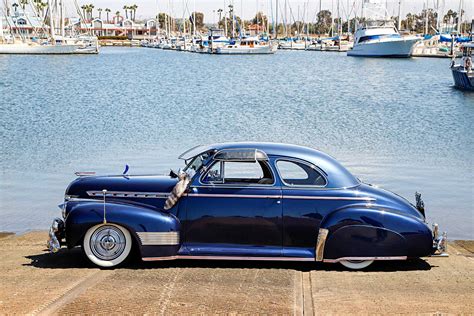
(107, 245)
(356, 264)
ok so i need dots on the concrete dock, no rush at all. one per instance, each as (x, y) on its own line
(36, 282)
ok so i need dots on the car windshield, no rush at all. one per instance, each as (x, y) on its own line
(196, 163)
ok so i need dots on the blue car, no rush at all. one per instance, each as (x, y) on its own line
(243, 201)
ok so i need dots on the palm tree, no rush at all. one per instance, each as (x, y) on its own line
(107, 11)
(134, 9)
(43, 5)
(125, 7)
(117, 15)
(84, 7)
(100, 13)
(23, 4)
(220, 14)
(91, 9)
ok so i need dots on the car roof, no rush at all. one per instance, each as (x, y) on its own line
(338, 176)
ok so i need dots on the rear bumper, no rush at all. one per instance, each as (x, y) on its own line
(56, 235)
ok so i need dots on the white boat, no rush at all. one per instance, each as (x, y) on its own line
(463, 73)
(433, 47)
(292, 44)
(47, 49)
(53, 43)
(330, 45)
(381, 39)
(248, 45)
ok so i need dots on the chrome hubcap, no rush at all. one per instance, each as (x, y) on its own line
(107, 242)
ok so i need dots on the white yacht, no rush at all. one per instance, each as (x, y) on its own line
(381, 39)
(248, 45)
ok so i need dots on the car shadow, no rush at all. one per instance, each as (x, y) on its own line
(74, 258)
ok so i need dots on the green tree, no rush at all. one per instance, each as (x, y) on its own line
(323, 24)
(199, 20)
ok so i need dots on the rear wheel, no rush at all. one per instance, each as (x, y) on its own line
(356, 264)
(107, 245)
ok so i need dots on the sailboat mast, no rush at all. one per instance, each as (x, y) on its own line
(61, 24)
(460, 17)
(2, 37)
(194, 18)
(225, 18)
(51, 21)
(276, 19)
(399, 26)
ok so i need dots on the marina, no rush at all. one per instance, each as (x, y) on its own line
(396, 136)
(231, 157)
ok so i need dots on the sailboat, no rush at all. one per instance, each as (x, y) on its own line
(51, 44)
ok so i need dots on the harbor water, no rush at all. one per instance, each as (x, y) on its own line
(396, 123)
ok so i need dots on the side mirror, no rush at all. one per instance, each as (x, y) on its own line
(173, 174)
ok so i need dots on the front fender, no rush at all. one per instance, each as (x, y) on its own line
(375, 232)
(83, 215)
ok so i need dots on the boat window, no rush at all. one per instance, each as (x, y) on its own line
(239, 173)
(299, 173)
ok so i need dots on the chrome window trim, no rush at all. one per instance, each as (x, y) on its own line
(221, 185)
(265, 156)
(242, 196)
(130, 194)
(309, 164)
(302, 197)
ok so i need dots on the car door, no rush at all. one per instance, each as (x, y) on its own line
(234, 209)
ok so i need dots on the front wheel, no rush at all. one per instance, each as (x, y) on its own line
(356, 264)
(107, 245)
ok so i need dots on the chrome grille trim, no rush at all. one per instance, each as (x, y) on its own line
(129, 194)
(158, 238)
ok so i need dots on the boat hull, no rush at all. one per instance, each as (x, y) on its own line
(246, 50)
(36, 49)
(390, 48)
(462, 79)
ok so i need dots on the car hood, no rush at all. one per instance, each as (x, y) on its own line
(156, 184)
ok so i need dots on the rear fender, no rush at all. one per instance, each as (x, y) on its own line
(374, 232)
(137, 219)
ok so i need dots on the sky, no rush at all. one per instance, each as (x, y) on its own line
(247, 8)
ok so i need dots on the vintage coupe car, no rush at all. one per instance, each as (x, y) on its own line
(243, 201)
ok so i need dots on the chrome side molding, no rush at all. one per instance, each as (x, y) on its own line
(319, 251)
(158, 238)
(365, 258)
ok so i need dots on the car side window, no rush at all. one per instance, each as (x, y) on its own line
(299, 173)
(239, 173)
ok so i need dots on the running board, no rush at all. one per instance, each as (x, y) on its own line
(228, 258)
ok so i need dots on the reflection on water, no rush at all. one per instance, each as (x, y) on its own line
(396, 123)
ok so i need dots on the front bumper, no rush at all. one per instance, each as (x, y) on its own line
(440, 243)
(56, 234)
